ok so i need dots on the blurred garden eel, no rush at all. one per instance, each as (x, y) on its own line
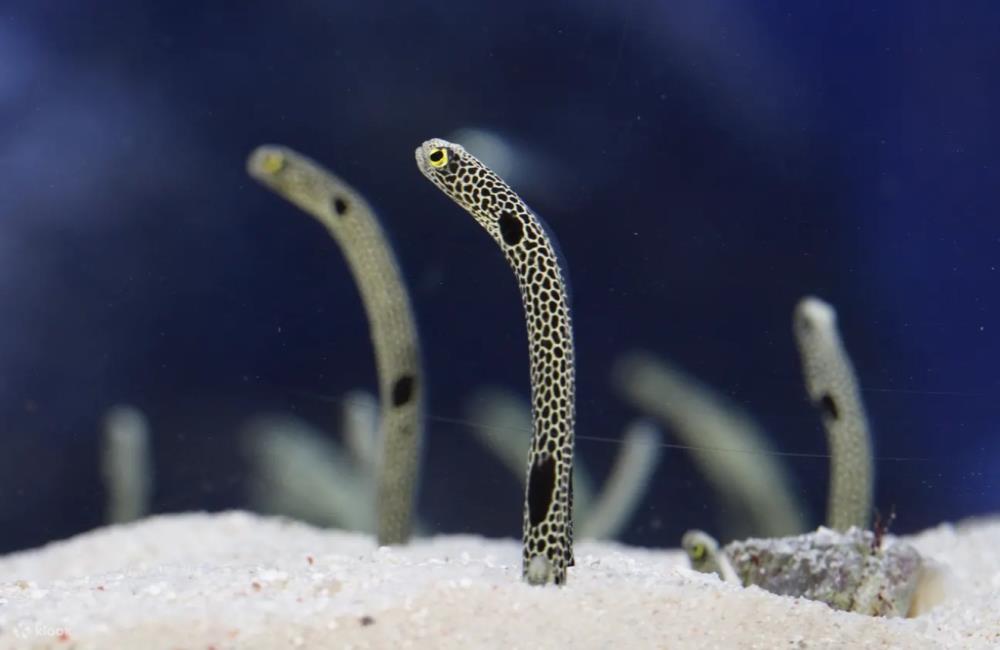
(127, 464)
(642, 446)
(299, 472)
(501, 420)
(726, 444)
(354, 226)
(833, 388)
(706, 556)
(359, 427)
(525, 242)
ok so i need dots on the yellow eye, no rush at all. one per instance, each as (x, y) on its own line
(438, 157)
(698, 551)
(272, 162)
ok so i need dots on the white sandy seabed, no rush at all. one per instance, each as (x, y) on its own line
(236, 580)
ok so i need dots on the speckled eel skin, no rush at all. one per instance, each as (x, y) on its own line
(833, 388)
(525, 242)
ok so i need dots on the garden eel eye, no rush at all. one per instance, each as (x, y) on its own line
(438, 157)
(273, 162)
(697, 551)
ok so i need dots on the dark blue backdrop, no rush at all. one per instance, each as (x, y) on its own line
(710, 163)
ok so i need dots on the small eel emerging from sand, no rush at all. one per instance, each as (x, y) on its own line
(705, 556)
(833, 388)
(353, 225)
(525, 242)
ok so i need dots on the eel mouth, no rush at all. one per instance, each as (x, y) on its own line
(421, 155)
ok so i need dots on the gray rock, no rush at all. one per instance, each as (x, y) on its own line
(847, 571)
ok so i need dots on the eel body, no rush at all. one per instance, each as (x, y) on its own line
(525, 242)
(353, 225)
(833, 388)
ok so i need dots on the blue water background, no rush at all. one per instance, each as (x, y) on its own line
(708, 163)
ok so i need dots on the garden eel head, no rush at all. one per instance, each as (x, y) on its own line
(439, 158)
(814, 321)
(702, 550)
(282, 170)
(450, 167)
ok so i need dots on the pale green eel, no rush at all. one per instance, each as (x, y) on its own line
(834, 390)
(353, 225)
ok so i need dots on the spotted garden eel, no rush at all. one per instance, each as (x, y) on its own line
(525, 242)
(833, 388)
(354, 226)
